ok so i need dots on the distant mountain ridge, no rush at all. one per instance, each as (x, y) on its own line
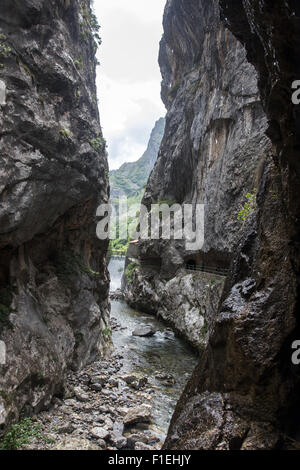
(130, 179)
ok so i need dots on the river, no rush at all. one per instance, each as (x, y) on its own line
(163, 354)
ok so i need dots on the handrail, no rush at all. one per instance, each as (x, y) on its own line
(208, 269)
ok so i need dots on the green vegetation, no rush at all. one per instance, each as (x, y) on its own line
(119, 245)
(107, 333)
(130, 181)
(69, 263)
(78, 63)
(65, 133)
(90, 27)
(249, 206)
(129, 272)
(5, 50)
(98, 143)
(20, 435)
(6, 298)
(26, 68)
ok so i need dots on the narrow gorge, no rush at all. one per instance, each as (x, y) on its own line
(172, 347)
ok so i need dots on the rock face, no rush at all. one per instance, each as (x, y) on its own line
(212, 153)
(54, 311)
(244, 393)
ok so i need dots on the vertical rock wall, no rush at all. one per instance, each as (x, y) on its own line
(212, 153)
(54, 311)
(245, 392)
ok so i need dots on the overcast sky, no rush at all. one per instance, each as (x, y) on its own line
(129, 78)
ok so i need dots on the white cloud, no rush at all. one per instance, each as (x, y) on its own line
(129, 77)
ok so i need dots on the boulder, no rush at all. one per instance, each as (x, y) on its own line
(138, 414)
(144, 331)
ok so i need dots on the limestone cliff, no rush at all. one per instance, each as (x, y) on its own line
(130, 179)
(245, 392)
(53, 174)
(212, 153)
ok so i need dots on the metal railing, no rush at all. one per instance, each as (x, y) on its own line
(116, 254)
(208, 269)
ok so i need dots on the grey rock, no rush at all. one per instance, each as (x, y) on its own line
(67, 428)
(74, 443)
(81, 395)
(142, 446)
(144, 331)
(99, 433)
(138, 414)
(51, 182)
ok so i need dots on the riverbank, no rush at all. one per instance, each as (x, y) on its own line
(124, 401)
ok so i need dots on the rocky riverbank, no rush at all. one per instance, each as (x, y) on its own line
(103, 408)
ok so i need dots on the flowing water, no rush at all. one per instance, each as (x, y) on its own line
(163, 353)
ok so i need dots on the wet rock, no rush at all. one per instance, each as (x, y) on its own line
(166, 379)
(129, 378)
(144, 331)
(116, 295)
(139, 414)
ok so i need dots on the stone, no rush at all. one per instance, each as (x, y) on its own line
(100, 433)
(74, 443)
(67, 428)
(138, 414)
(134, 438)
(97, 387)
(81, 395)
(142, 446)
(144, 331)
(2, 93)
(101, 443)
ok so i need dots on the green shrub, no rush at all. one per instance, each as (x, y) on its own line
(65, 133)
(98, 143)
(78, 63)
(20, 435)
(129, 272)
(249, 206)
(107, 333)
